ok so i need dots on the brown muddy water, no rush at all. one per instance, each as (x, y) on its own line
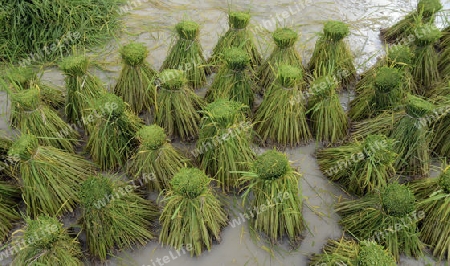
(153, 23)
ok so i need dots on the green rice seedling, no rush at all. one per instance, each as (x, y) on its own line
(331, 53)
(114, 216)
(386, 92)
(425, 68)
(155, 157)
(192, 216)
(433, 195)
(234, 80)
(274, 182)
(36, 118)
(388, 216)
(281, 117)
(237, 36)
(5, 161)
(425, 11)
(328, 119)
(177, 106)
(49, 178)
(439, 122)
(8, 208)
(382, 124)
(187, 55)
(46, 242)
(361, 167)
(224, 144)
(351, 253)
(283, 54)
(135, 83)
(444, 57)
(112, 141)
(82, 87)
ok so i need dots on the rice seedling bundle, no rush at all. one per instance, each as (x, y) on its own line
(135, 83)
(425, 11)
(114, 216)
(433, 195)
(224, 144)
(283, 54)
(388, 217)
(349, 252)
(5, 161)
(439, 122)
(234, 81)
(361, 167)
(112, 141)
(46, 242)
(187, 55)
(177, 106)
(386, 92)
(53, 27)
(48, 177)
(425, 68)
(444, 58)
(155, 157)
(237, 36)
(328, 119)
(413, 139)
(331, 53)
(82, 87)
(36, 118)
(382, 124)
(8, 204)
(271, 176)
(281, 117)
(192, 216)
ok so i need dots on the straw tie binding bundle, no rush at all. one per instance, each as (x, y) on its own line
(152, 137)
(188, 30)
(134, 53)
(285, 37)
(190, 183)
(172, 79)
(397, 200)
(271, 165)
(111, 106)
(238, 20)
(289, 76)
(336, 30)
(236, 59)
(75, 65)
(387, 79)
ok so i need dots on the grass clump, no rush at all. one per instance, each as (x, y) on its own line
(388, 217)
(114, 216)
(328, 119)
(8, 207)
(187, 55)
(135, 84)
(46, 242)
(192, 216)
(331, 55)
(234, 81)
(281, 117)
(237, 36)
(177, 106)
(283, 54)
(112, 141)
(49, 178)
(361, 167)
(274, 182)
(155, 157)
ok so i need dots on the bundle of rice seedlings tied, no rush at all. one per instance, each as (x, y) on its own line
(332, 54)
(274, 182)
(49, 178)
(34, 117)
(135, 84)
(82, 87)
(444, 58)
(283, 54)
(351, 253)
(9, 193)
(388, 216)
(155, 157)
(237, 36)
(328, 118)
(114, 216)
(425, 67)
(433, 195)
(46, 242)
(112, 141)
(187, 54)
(234, 81)
(224, 144)
(5, 161)
(361, 167)
(281, 117)
(177, 106)
(425, 12)
(192, 216)
(385, 93)
(439, 122)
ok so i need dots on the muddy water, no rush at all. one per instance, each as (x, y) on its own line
(152, 24)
